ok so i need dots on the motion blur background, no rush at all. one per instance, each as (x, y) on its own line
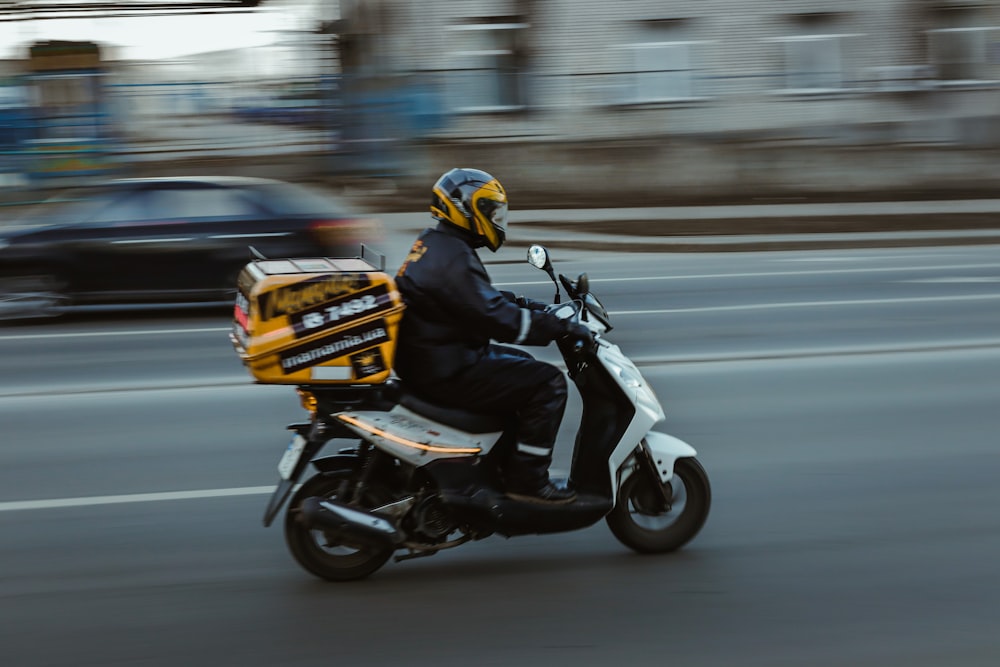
(568, 102)
(842, 398)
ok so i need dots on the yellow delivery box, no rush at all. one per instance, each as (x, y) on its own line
(316, 321)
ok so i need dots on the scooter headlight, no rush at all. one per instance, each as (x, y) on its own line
(630, 378)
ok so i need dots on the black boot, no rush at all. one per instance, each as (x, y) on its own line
(527, 477)
(549, 493)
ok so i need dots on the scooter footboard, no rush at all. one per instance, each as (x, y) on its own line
(664, 450)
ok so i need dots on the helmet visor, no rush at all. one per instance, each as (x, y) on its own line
(499, 217)
(494, 211)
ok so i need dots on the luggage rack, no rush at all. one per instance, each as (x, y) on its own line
(370, 260)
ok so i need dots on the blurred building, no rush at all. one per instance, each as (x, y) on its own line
(695, 96)
(575, 100)
(188, 106)
(689, 66)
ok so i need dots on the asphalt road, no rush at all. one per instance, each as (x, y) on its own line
(843, 403)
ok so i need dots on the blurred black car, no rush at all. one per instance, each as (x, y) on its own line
(166, 240)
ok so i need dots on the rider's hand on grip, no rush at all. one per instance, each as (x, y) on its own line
(580, 336)
(530, 304)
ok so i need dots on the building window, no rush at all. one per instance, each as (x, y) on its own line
(663, 72)
(662, 62)
(965, 55)
(812, 63)
(489, 71)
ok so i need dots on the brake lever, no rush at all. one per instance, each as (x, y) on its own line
(569, 286)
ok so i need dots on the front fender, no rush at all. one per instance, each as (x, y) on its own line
(664, 450)
(324, 464)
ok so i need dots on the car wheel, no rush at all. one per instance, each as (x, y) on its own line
(38, 294)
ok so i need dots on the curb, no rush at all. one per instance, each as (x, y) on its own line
(754, 227)
(757, 242)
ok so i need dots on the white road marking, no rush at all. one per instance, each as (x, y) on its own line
(705, 276)
(248, 236)
(90, 501)
(955, 280)
(772, 274)
(169, 240)
(648, 365)
(810, 304)
(100, 334)
(659, 311)
(961, 346)
(848, 258)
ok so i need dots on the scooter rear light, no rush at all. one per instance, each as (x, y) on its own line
(308, 400)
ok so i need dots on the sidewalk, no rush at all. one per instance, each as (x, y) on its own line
(745, 227)
(722, 228)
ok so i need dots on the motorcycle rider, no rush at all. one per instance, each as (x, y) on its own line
(444, 350)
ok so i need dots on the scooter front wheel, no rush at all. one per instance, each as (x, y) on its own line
(313, 548)
(643, 520)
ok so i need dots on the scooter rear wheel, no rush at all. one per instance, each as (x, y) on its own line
(641, 519)
(311, 547)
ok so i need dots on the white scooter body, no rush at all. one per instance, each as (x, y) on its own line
(419, 440)
(368, 502)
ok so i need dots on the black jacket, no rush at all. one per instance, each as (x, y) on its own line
(453, 311)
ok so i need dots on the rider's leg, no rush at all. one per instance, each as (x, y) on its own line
(511, 381)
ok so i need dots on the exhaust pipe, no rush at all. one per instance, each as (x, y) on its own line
(343, 522)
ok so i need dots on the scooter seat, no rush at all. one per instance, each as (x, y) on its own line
(470, 422)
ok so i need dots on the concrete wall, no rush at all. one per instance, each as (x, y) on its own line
(668, 171)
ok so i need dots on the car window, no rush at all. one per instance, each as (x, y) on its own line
(294, 199)
(130, 207)
(192, 203)
(71, 206)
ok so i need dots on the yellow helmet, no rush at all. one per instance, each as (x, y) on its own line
(473, 201)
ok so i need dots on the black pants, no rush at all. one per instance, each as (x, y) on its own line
(509, 381)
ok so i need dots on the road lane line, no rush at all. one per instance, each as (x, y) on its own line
(819, 353)
(89, 501)
(809, 304)
(773, 274)
(98, 334)
(954, 280)
(659, 311)
(707, 276)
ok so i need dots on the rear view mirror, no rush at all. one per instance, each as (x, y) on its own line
(538, 257)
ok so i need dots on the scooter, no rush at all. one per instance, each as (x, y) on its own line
(420, 478)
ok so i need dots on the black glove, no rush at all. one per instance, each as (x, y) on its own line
(578, 333)
(530, 304)
(524, 302)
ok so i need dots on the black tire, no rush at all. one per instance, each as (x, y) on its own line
(333, 562)
(37, 294)
(640, 519)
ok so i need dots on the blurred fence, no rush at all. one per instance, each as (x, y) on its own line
(343, 125)
(735, 133)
